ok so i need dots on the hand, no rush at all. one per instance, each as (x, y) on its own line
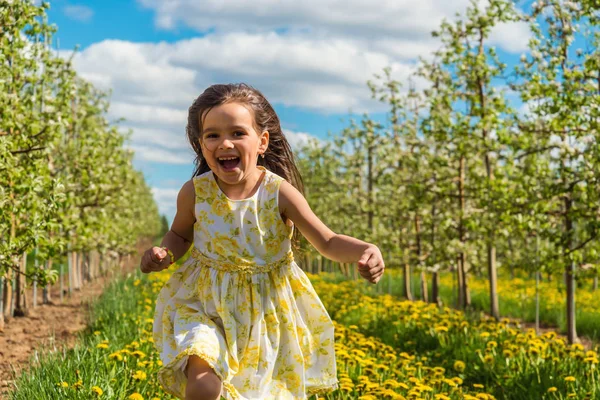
(370, 264)
(154, 259)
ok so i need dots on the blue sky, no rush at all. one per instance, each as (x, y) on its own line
(312, 60)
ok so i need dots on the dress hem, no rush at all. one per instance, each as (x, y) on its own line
(322, 389)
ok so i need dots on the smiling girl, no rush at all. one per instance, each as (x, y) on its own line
(239, 318)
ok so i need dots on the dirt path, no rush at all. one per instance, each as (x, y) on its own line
(52, 325)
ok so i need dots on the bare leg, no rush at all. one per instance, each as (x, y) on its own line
(202, 383)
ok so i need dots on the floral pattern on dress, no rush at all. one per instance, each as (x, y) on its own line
(241, 303)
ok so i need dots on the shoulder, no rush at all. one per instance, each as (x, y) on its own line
(186, 196)
(289, 196)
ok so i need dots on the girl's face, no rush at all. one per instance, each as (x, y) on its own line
(230, 142)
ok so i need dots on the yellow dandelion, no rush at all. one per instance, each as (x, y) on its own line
(102, 346)
(570, 379)
(552, 389)
(63, 384)
(136, 396)
(97, 391)
(139, 375)
(459, 366)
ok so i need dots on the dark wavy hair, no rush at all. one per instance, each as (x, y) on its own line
(278, 156)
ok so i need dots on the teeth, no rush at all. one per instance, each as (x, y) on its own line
(227, 158)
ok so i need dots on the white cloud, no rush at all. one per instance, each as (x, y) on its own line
(404, 20)
(299, 70)
(297, 139)
(512, 37)
(160, 155)
(166, 199)
(78, 12)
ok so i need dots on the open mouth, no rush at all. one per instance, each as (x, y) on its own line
(229, 163)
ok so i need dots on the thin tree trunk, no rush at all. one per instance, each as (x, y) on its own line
(70, 271)
(537, 303)
(21, 299)
(493, 279)
(424, 288)
(1, 304)
(7, 295)
(36, 264)
(595, 284)
(435, 289)
(570, 277)
(462, 301)
(491, 248)
(423, 279)
(319, 263)
(407, 290)
(538, 274)
(435, 279)
(46, 294)
(8, 282)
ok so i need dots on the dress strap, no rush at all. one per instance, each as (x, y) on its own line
(248, 268)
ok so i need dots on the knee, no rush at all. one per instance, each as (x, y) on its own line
(203, 383)
(206, 388)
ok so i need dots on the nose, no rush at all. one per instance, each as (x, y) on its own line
(226, 144)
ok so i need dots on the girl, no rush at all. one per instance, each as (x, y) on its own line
(239, 318)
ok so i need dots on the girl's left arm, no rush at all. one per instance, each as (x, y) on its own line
(334, 246)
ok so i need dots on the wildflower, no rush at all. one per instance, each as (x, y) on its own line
(138, 354)
(139, 375)
(102, 346)
(570, 379)
(459, 366)
(552, 389)
(136, 396)
(63, 384)
(97, 391)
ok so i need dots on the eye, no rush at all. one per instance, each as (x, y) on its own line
(210, 136)
(239, 133)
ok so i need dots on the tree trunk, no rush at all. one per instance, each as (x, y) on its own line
(424, 288)
(493, 279)
(320, 263)
(435, 289)
(595, 285)
(460, 303)
(34, 298)
(570, 275)
(423, 278)
(46, 294)
(407, 291)
(1, 304)
(7, 295)
(461, 274)
(70, 272)
(21, 299)
(537, 303)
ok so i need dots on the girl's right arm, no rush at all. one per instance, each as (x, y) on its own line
(179, 238)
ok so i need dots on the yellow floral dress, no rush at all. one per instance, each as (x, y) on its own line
(241, 303)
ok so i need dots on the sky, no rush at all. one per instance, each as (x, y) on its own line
(312, 60)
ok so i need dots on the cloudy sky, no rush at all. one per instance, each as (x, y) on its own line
(311, 58)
